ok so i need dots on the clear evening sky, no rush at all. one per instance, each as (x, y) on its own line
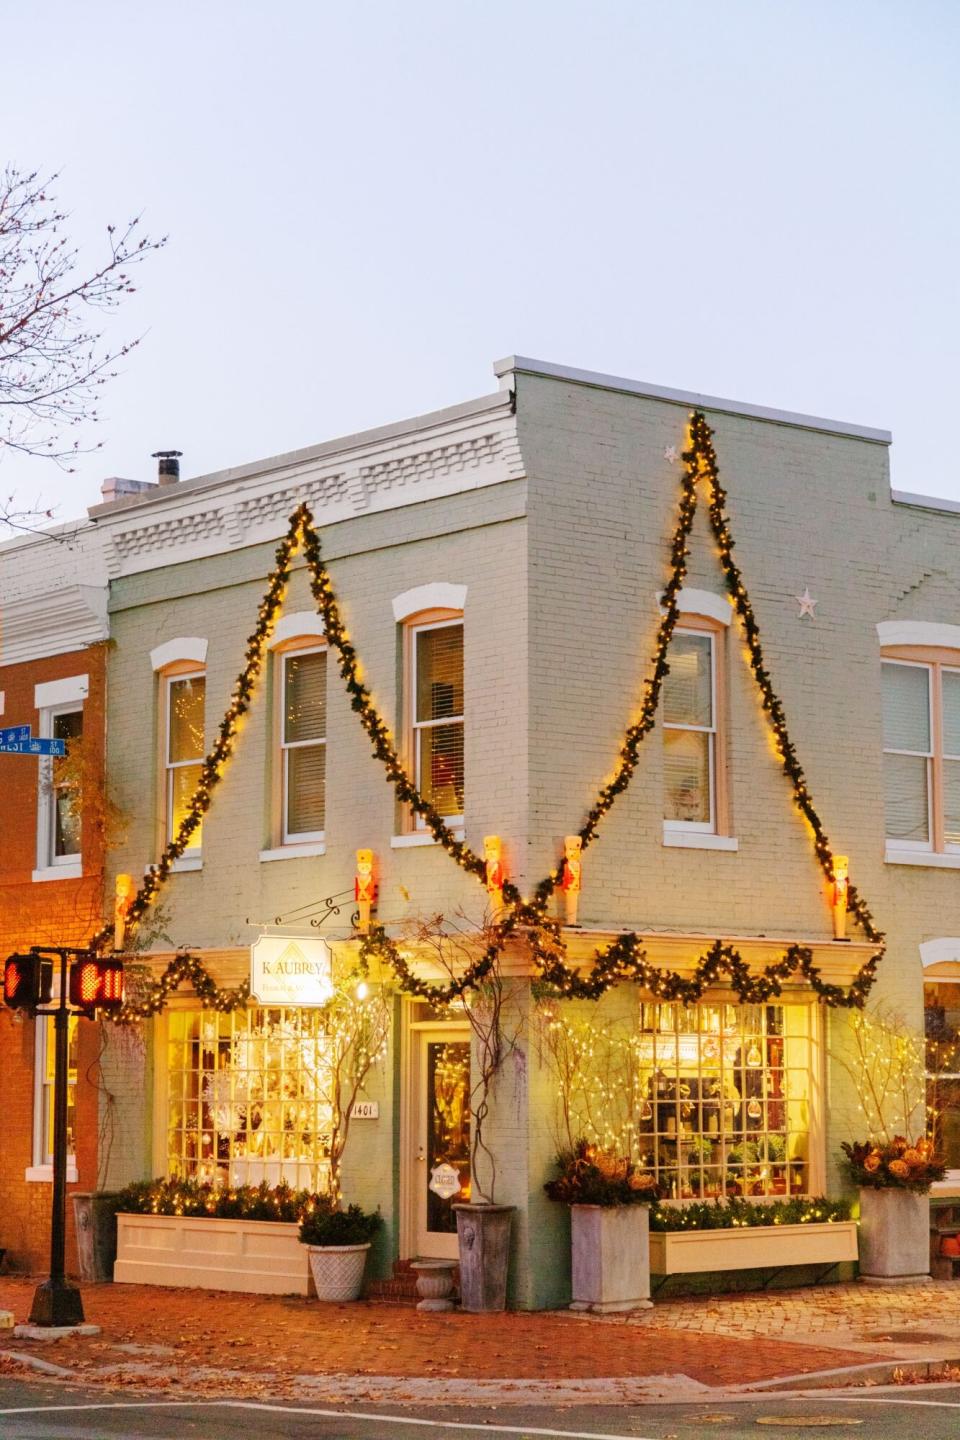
(369, 202)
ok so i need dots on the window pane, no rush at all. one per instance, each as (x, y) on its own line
(951, 712)
(686, 768)
(68, 727)
(183, 783)
(905, 786)
(951, 802)
(186, 718)
(942, 1027)
(688, 689)
(441, 768)
(66, 821)
(306, 788)
(66, 780)
(305, 697)
(906, 708)
(439, 673)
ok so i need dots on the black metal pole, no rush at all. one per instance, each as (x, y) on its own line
(56, 1302)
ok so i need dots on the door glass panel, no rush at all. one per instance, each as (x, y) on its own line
(448, 1127)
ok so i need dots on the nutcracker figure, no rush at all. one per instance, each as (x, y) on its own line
(364, 889)
(570, 880)
(841, 881)
(493, 854)
(124, 891)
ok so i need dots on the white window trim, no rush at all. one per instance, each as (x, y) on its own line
(895, 854)
(189, 649)
(50, 866)
(72, 690)
(294, 852)
(944, 949)
(417, 727)
(679, 833)
(918, 632)
(419, 837)
(192, 857)
(41, 1172)
(438, 595)
(702, 602)
(298, 625)
(701, 827)
(300, 837)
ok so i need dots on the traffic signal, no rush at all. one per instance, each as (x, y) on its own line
(26, 981)
(96, 983)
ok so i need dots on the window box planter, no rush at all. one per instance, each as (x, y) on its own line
(894, 1236)
(689, 1252)
(610, 1252)
(256, 1257)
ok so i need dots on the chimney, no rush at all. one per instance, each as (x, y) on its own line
(115, 487)
(168, 466)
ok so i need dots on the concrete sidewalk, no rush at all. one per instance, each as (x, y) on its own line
(204, 1342)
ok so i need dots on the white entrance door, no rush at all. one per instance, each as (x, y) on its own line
(441, 1136)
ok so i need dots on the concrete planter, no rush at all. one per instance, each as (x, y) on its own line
(257, 1257)
(337, 1270)
(894, 1236)
(434, 1284)
(690, 1252)
(610, 1248)
(483, 1239)
(95, 1222)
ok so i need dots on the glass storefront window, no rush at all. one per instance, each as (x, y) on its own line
(941, 1014)
(723, 1098)
(248, 1097)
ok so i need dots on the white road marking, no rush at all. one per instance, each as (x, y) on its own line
(326, 1415)
(894, 1400)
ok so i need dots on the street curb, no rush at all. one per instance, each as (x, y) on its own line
(34, 1362)
(879, 1371)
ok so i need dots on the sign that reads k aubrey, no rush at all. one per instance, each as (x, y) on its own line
(290, 970)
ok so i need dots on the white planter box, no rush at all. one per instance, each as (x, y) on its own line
(258, 1257)
(894, 1236)
(686, 1252)
(610, 1257)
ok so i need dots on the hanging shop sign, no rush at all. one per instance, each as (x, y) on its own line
(290, 970)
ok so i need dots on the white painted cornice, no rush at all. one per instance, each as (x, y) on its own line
(53, 593)
(456, 450)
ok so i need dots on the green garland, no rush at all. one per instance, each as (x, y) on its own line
(624, 957)
(183, 966)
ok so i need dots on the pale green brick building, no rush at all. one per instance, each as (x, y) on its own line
(499, 567)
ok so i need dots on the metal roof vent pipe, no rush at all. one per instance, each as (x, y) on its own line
(168, 466)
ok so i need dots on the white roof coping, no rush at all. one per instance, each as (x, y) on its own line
(925, 502)
(523, 365)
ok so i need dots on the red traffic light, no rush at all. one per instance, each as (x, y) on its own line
(96, 984)
(23, 987)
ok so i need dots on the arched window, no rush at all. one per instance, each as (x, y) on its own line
(180, 666)
(299, 652)
(433, 707)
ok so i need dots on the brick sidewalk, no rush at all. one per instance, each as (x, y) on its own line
(293, 1337)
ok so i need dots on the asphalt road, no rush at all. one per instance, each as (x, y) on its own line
(47, 1412)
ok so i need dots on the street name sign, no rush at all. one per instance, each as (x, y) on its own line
(32, 746)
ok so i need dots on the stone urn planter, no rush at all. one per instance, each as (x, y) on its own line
(610, 1249)
(434, 1284)
(337, 1270)
(95, 1222)
(483, 1239)
(894, 1236)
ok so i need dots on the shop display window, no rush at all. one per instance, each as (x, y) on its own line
(942, 1028)
(248, 1097)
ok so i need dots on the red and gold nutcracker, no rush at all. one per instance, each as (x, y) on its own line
(124, 891)
(493, 855)
(841, 881)
(364, 889)
(570, 881)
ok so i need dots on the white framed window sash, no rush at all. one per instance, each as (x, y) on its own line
(701, 827)
(47, 859)
(296, 837)
(921, 846)
(42, 1167)
(193, 847)
(419, 726)
(949, 849)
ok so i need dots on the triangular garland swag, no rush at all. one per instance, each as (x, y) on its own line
(624, 957)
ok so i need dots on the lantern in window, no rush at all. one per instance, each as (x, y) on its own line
(493, 856)
(841, 882)
(570, 880)
(364, 889)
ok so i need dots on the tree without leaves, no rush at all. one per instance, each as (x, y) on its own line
(53, 356)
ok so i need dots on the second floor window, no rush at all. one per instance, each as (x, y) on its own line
(921, 762)
(303, 742)
(61, 791)
(184, 750)
(690, 731)
(437, 715)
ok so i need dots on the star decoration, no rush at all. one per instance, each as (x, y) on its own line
(671, 454)
(806, 603)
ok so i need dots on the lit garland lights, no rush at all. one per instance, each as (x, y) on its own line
(624, 957)
(182, 967)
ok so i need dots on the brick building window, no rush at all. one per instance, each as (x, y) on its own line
(921, 743)
(184, 697)
(695, 798)
(44, 1053)
(60, 794)
(435, 706)
(941, 1014)
(303, 744)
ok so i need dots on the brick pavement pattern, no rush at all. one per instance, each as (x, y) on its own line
(296, 1337)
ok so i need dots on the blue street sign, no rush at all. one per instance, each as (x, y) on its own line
(33, 747)
(14, 732)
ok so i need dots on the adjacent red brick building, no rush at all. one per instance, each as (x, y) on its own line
(52, 676)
